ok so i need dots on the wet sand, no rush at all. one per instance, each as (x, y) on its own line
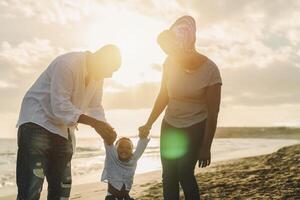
(273, 176)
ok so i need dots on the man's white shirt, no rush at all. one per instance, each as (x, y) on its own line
(60, 95)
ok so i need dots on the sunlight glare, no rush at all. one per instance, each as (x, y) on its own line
(136, 37)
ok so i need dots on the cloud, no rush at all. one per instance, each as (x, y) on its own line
(133, 97)
(26, 58)
(274, 85)
(20, 65)
(4, 84)
(159, 9)
(256, 45)
(27, 54)
(47, 12)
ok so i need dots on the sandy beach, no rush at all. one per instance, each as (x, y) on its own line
(244, 172)
(271, 176)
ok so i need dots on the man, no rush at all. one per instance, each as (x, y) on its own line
(68, 92)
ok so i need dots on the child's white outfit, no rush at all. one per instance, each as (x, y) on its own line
(120, 174)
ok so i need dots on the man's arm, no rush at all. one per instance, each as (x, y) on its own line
(95, 108)
(65, 112)
(61, 88)
(102, 128)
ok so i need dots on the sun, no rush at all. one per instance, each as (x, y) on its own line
(135, 35)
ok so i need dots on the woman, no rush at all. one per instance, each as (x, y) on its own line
(191, 91)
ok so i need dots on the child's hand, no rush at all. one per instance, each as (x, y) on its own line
(110, 139)
(144, 131)
(143, 135)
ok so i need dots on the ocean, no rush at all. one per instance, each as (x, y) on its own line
(88, 161)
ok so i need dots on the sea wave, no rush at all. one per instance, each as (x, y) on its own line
(8, 154)
(83, 149)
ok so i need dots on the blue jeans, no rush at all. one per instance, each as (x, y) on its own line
(180, 169)
(43, 154)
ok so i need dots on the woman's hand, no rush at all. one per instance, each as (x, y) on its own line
(144, 131)
(204, 157)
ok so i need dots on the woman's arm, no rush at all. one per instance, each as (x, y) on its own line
(213, 98)
(160, 104)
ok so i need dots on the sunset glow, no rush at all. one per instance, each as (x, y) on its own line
(254, 44)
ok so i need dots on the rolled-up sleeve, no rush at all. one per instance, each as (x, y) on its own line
(95, 108)
(215, 76)
(60, 95)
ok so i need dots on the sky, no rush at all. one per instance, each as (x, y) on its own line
(255, 44)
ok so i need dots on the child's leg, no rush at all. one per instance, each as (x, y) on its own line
(110, 197)
(128, 198)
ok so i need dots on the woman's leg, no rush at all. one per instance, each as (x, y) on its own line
(170, 179)
(187, 178)
(186, 164)
(169, 167)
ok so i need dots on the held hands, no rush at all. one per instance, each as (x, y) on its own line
(204, 156)
(144, 131)
(106, 132)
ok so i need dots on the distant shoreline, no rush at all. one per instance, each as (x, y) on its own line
(282, 132)
(258, 132)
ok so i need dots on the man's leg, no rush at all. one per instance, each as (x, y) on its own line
(31, 161)
(59, 172)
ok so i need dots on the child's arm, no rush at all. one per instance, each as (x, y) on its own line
(141, 146)
(109, 149)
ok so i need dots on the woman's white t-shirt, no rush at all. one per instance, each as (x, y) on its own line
(187, 92)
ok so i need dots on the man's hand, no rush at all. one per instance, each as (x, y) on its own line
(106, 132)
(102, 128)
(144, 131)
(204, 157)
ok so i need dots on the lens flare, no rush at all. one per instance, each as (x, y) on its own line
(174, 144)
